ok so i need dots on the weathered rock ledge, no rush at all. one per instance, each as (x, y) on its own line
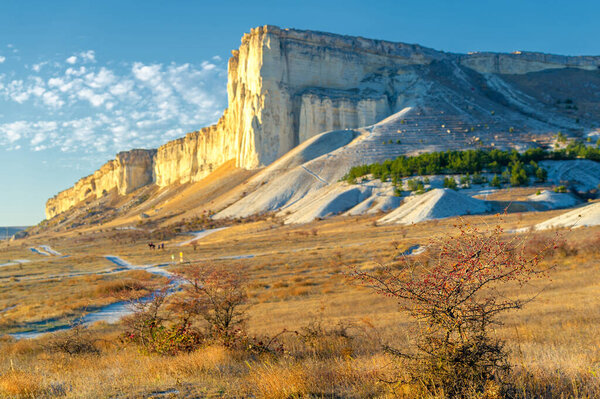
(284, 87)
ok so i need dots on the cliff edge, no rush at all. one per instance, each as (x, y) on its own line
(286, 86)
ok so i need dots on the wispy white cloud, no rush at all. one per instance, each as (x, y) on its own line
(95, 99)
(2, 59)
(36, 131)
(76, 72)
(38, 67)
(52, 99)
(107, 108)
(121, 88)
(88, 56)
(84, 56)
(100, 79)
(147, 73)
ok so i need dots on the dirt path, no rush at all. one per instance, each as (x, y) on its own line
(49, 250)
(200, 234)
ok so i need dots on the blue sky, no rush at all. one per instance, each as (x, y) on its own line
(82, 80)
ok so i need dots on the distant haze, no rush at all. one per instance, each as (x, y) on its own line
(7, 232)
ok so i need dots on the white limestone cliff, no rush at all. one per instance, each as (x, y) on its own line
(129, 171)
(286, 86)
(521, 62)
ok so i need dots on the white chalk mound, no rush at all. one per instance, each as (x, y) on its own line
(588, 215)
(331, 200)
(581, 174)
(435, 204)
(378, 201)
(342, 198)
(554, 200)
(290, 178)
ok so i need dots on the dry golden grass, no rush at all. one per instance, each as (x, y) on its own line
(20, 384)
(278, 381)
(59, 300)
(294, 277)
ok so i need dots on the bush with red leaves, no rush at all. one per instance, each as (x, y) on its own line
(456, 296)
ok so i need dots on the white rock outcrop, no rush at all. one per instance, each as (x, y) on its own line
(439, 203)
(285, 86)
(585, 216)
(129, 171)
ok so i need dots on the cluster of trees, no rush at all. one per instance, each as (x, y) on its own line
(509, 167)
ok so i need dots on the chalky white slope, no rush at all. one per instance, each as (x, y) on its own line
(554, 200)
(581, 174)
(290, 178)
(433, 117)
(588, 215)
(439, 203)
(341, 197)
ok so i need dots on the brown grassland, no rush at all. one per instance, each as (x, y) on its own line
(296, 280)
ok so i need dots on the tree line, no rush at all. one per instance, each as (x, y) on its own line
(517, 166)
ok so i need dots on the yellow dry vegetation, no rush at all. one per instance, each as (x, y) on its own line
(296, 275)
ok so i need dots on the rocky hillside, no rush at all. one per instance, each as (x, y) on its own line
(286, 86)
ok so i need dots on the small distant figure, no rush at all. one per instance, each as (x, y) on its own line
(162, 246)
(151, 246)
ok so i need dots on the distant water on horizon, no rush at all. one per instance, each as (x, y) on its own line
(12, 230)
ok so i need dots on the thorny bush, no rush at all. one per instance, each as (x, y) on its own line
(155, 328)
(210, 307)
(218, 296)
(77, 340)
(456, 296)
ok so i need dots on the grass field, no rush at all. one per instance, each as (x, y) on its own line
(296, 280)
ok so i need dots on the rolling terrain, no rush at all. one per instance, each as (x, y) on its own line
(268, 193)
(371, 101)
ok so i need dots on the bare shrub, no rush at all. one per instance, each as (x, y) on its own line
(550, 246)
(325, 342)
(456, 297)
(75, 341)
(218, 295)
(154, 328)
(591, 245)
(211, 307)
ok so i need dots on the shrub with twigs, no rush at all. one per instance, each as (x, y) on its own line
(456, 296)
(76, 341)
(217, 295)
(155, 328)
(209, 308)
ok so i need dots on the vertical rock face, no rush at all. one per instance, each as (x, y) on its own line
(521, 62)
(129, 171)
(285, 86)
(321, 113)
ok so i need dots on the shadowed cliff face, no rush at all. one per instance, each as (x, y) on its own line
(286, 86)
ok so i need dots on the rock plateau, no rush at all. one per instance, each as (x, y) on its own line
(287, 86)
